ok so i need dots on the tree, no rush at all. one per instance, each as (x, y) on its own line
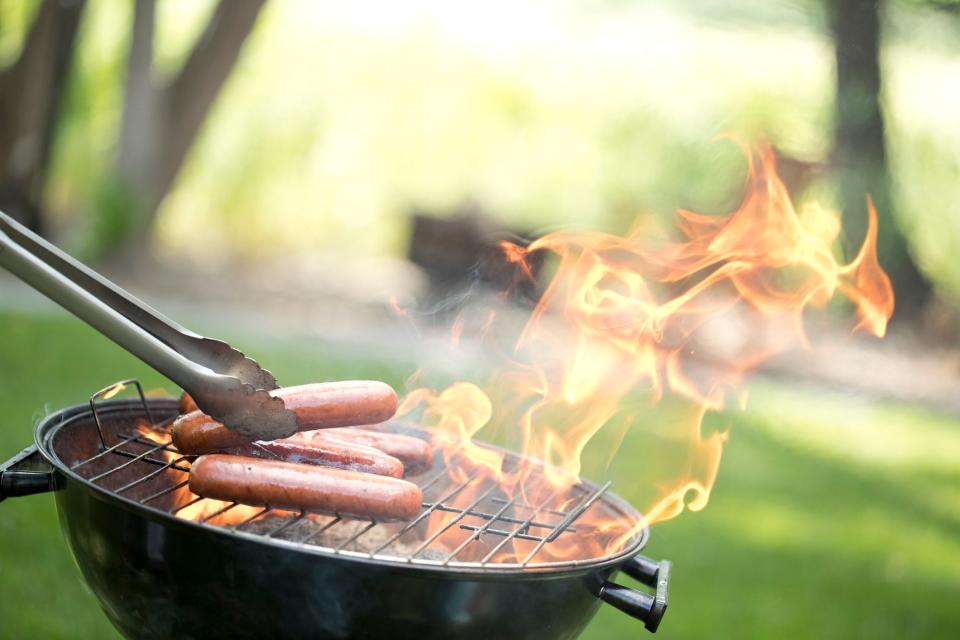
(161, 122)
(31, 92)
(859, 154)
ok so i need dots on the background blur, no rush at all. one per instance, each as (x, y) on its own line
(281, 173)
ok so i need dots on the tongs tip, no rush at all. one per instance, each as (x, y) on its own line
(249, 411)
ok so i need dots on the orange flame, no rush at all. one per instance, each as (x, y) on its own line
(623, 322)
(456, 331)
(189, 507)
(457, 414)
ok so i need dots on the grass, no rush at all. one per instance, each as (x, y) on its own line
(832, 517)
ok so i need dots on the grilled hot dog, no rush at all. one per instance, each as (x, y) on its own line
(289, 485)
(187, 403)
(325, 451)
(414, 453)
(317, 406)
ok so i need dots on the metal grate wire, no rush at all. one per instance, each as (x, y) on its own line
(476, 506)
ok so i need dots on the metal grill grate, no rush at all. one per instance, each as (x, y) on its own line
(466, 522)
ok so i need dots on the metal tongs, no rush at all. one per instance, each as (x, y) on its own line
(224, 383)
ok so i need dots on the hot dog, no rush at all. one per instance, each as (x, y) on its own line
(414, 453)
(289, 485)
(187, 403)
(328, 452)
(317, 406)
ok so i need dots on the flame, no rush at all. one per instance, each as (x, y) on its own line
(183, 497)
(866, 284)
(627, 323)
(456, 331)
(457, 414)
(112, 391)
(394, 305)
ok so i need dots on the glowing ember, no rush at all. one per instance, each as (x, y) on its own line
(618, 329)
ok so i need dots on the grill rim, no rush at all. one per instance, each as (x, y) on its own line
(48, 427)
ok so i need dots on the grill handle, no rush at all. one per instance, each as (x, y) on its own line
(25, 474)
(639, 604)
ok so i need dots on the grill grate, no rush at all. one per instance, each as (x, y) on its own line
(466, 522)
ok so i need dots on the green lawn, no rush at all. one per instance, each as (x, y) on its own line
(832, 517)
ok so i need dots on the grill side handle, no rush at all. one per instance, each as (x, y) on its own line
(25, 474)
(639, 604)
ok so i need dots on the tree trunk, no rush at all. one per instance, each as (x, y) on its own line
(140, 129)
(31, 92)
(160, 124)
(859, 154)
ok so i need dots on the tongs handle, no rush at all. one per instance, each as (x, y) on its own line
(212, 354)
(225, 384)
(93, 310)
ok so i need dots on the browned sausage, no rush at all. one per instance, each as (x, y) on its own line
(328, 452)
(318, 406)
(289, 485)
(197, 433)
(414, 453)
(187, 403)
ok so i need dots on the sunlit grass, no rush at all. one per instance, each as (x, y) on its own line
(858, 428)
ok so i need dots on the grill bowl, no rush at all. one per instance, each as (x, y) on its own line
(158, 576)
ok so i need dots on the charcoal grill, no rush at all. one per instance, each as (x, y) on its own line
(240, 571)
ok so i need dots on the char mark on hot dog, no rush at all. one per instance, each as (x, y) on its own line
(317, 406)
(416, 454)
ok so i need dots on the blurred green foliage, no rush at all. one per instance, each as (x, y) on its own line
(545, 124)
(340, 118)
